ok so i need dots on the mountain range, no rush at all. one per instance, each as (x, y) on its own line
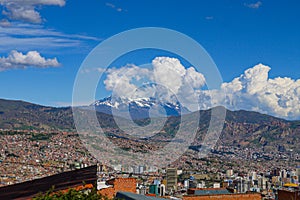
(244, 128)
(23, 115)
(139, 108)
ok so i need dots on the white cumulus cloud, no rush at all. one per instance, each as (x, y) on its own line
(121, 81)
(26, 10)
(166, 80)
(18, 60)
(253, 90)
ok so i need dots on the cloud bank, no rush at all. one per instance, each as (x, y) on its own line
(253, 90)
(18, 60)
(26, 10)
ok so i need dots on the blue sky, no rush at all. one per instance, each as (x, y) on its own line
(237, 34)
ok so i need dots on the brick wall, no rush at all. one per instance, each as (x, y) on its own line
(108, 192)
(125, 184)
(119, 184)
(225, 197)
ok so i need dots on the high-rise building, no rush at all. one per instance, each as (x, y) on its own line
(283, 173)
(171, 179)
(162, 190)
(254, 175)
(263, 183)
(216, 185)
(141, 169)
(186, 184)
(229, 173)
(275, 172)
(153, 189)
(298, 172)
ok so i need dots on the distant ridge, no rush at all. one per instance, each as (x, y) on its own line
(16, 114)
(27, 116)
(240, 127)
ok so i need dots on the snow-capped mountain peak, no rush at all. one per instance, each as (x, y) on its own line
(138, 107)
